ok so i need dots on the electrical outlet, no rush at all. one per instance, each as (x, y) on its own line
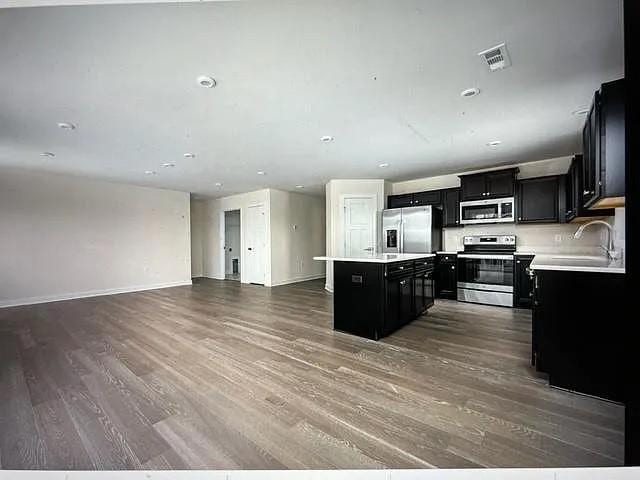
(558, 238)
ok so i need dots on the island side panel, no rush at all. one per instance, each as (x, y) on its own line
(358, 298)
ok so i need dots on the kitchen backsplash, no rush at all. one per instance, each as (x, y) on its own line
(540, 238)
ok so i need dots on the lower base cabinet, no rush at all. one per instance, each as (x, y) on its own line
(578, 324)
(446, 276)
(523, 282)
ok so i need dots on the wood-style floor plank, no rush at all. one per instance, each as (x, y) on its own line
(225, 375)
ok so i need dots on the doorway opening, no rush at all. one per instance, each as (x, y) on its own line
(232, 264)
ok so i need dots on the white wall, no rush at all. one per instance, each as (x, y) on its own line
(212, 231)
(541, 237)
(65, 237)
(335, 191)
(297, 235)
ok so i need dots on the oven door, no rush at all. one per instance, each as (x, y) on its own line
(486, 271)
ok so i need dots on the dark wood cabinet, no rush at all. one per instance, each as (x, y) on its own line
(400, 201)
(419, 199)
(603, 160)
(575, 336)
(373, 300)
(501, 183)
(433, 197)
(541, 200)
(473, 187)
(575, 210)
(423, 285)
(590, 145)
(523, 282)
(448, 200)
(446, 276)
(451, 207)
(494, 184)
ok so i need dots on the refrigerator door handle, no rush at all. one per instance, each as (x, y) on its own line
(401, 235)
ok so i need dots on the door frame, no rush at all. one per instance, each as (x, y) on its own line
(223, 241)
(342, 218)
(222, 273)
(266, 247)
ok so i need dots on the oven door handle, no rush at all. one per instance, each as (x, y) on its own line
(485, 256)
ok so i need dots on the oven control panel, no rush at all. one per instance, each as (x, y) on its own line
(509, 240)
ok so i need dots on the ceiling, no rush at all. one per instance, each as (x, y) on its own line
(381, 77)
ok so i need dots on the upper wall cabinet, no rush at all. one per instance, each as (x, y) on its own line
(541, 200)
(576, 212)
(481, 186)
(420, 199)
(603, 161)
(451, 207)
(447, 199)
(400, 201)
(433, 197)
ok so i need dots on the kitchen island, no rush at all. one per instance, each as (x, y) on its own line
(376, 295)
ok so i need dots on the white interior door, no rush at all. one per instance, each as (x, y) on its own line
(359, 226)
(255, 232)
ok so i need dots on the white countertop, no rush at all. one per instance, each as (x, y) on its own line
(577, 263)
(379, 257)
(447, 253)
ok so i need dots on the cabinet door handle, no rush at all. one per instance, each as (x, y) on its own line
(453, 267)
(400, 268)
(403, 282)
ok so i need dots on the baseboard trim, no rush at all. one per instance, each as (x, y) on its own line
(90, 293)
(299, 279)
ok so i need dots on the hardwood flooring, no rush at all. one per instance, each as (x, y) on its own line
(224, 375)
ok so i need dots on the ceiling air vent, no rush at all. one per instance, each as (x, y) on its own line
(497, 57)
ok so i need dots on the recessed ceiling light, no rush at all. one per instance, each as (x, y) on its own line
(149, 172)
(260, 172)
(66, 126)
(383, 165)
(470, 92)
(299, 186)
(581, 111)
(47, 154)
(218, 184)
(189, 155)
(206, 81)
(494, 143)
(326, 139)
(168, 165)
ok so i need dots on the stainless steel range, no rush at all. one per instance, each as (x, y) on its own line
(485, 269)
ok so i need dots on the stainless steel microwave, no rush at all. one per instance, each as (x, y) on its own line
(497, 210)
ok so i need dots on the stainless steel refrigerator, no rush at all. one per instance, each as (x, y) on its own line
(411, 230)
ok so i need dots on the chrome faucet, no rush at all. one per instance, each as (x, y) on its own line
(611, 252)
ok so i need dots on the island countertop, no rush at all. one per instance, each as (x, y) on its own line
(379, 257)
